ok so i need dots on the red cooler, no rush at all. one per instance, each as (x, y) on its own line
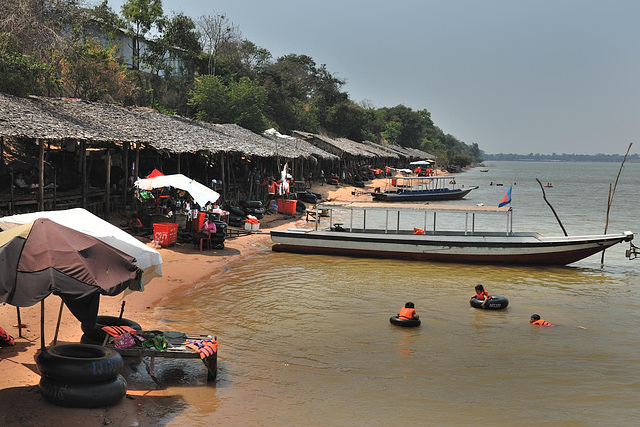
(287, 206)
(165, 233)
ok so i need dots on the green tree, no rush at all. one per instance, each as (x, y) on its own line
(241, 102)
(23, 74)
(91, 71)
(142, 16)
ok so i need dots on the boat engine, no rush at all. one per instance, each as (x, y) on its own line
(632, 252)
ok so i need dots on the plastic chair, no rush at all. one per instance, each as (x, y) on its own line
(205, 241)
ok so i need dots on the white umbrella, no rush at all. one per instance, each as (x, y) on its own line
(200, 193)
(147, 259)
(421, 163)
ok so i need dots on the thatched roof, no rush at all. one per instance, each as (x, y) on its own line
(65, 118)
(22, 118)
(376, 151)
(339, 147)
(283, 141)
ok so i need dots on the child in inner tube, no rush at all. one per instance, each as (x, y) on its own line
(481, 295)
(408, 312)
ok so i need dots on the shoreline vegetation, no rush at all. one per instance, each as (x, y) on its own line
(184, 268)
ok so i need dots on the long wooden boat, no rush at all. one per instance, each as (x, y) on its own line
(387, 239)
(420, 189)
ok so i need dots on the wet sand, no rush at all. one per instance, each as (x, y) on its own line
(183, 268)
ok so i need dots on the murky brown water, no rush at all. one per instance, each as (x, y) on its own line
(306, 340)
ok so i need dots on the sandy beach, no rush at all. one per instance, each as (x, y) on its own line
(183, 268)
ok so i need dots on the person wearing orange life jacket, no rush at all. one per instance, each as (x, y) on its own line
(272, 188)
(536, 320)
(481, 295)
(408, 312)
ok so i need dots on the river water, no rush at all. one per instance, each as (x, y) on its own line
(306, 340)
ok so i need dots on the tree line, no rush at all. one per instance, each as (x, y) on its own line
(617, 158)
(201, 68)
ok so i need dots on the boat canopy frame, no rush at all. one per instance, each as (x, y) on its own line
(419, 183)
(469, 212)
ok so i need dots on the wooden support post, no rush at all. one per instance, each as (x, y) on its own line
(107, 186)
(136, 170)
(41, 174)
(42, 325)
(19, 323)
(55, 336)
(83, 171)
(125, 149)
(12, 201)
(179, 163)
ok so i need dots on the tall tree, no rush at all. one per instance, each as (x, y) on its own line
(142, 16)
(216, 31)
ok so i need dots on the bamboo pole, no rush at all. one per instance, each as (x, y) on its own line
(612, 192)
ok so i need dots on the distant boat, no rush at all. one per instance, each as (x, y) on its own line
(548, 185)
(420, 189)
(484, 170)
(389, 240)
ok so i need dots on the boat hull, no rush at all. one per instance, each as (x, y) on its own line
(422, 195)
(487, 249)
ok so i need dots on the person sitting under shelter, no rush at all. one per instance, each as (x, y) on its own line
(208, 228)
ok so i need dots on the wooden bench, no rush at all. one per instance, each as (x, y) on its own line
(174, 352)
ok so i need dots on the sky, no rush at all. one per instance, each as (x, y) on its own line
(513, 76)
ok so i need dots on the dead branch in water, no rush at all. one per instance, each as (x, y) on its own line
(544, 196)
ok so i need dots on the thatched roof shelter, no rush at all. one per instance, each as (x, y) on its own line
(300, 144)
(22, 118)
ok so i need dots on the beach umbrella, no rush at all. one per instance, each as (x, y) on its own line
(200, 193)
(147, 259)
(43, 257)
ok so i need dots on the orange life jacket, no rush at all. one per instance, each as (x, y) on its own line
(116, 331)
(482, 295)
(6, 338)
(542, 322)
(406, 313)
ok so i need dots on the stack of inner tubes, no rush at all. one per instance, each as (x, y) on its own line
(253, 207)
(308, 197)
(217, 239)
(81, 375)
(236, 216)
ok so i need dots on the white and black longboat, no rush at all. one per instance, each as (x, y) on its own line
(420, 189)
(466, 246)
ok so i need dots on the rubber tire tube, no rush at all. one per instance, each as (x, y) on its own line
(495, 303)
(79, 363)
(409, 323)
(96, 395)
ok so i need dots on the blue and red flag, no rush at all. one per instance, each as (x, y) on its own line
(506, 199)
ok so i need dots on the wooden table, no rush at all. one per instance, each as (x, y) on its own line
(175, 352)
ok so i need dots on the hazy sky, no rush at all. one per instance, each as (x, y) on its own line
(513, 76)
